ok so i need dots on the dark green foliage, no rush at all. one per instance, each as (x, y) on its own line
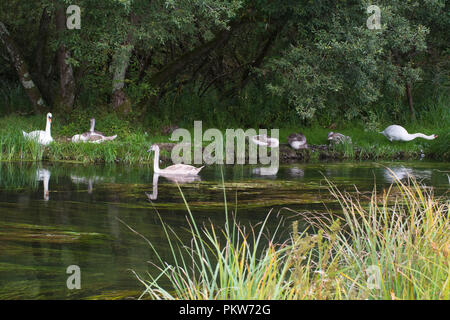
(235, 63)
(108, 123)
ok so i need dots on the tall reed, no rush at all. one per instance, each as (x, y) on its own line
(393, 246)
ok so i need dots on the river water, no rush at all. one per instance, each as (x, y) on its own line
(55, 215)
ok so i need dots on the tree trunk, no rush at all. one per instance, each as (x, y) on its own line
(175, 67)
(22, 70)
(66, 78)
(256, 62)
(179, 64)
(39, 60)
(260, 58)
(42, 41)
(410, 99)
(120, 63)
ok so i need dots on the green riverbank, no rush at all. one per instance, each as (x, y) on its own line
(132, 143)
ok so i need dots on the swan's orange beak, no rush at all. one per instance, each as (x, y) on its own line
(435, 136)
(50, 119)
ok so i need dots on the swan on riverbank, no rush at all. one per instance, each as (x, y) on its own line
(398, 133)
(336, 137)
(297, 141)
(40, 136)
(264, 140)
(92, 135)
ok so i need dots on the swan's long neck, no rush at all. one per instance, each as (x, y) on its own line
(419, 135)
(92, 125)
(47, 127)
(156, 161)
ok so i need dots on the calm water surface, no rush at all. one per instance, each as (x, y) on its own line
(55, 215)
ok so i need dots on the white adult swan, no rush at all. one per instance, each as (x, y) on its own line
(398, 133)
(40, 136)
(92, 135)
(264, 140)
(176, 169)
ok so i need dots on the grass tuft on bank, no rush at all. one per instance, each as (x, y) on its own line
(130, 147)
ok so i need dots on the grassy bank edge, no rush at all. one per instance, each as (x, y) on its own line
(132, 147)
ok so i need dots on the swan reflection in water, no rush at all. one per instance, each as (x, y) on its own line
(296, 172)
(89, 181)
(265, 171)
(175, 179)
(403, 173)
(44, 175)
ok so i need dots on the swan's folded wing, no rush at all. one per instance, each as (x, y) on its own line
(95, 138)
(181, 169)
(36, 134)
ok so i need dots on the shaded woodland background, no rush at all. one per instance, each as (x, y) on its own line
(231, 62)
